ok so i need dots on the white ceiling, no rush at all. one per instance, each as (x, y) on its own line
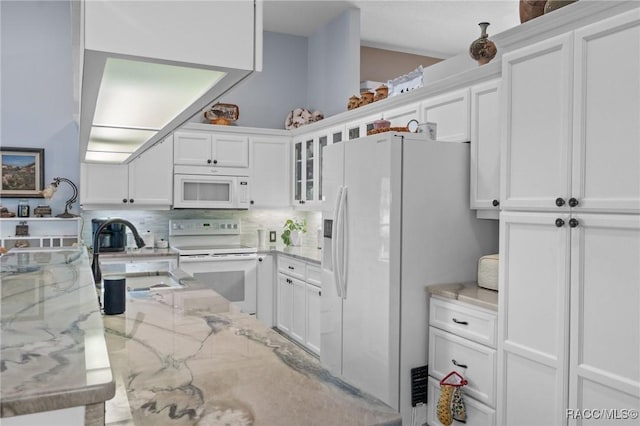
(438, 28)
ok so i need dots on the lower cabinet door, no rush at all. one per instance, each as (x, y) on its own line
(477, 413)
(313, 318)
(285, 303)
(265, 290)
(298, 310)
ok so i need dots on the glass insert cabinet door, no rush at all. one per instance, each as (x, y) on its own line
(310, 170)
(304, 158)
(322, 143)
(308, 158)
(297, 161)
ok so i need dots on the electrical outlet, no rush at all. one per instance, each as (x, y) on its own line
(272, 236)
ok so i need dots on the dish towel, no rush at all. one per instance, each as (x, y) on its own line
(451, 405)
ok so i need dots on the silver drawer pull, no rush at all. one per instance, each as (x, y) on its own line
(458, 364)
(460, 322)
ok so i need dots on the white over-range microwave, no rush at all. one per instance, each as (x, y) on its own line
(199, 191)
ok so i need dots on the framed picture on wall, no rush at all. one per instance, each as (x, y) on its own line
(22, 172)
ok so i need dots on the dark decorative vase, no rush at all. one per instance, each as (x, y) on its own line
(483, 50)
(530, 9)
(552, 5)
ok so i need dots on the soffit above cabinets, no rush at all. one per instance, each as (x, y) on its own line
(147, 67)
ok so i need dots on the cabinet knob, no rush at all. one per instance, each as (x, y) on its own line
(320, 293)
(208, 161)
(573, 202)
(259, 259)
(559, 223)
(124, 200)
(559, 201)
(459, 322)
(495, 203)
(251, 202)
(131, 200)
(215, 161)
(291, 267)
(573, 222)
(301, 201)
(457, 364)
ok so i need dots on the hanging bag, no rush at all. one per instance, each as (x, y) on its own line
(451, 405)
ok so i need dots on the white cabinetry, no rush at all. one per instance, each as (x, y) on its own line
(305, 173)
(270, 171)
(43, 232)
(284, 304)
(400, 116)
(485, 148)
(569, 134)
(308, 156)
(146, 182)
(314, 292)
(462, 337)
(211, 149)
(298, 309)
(569, 327)
(451, 113)
(265, 290)
(359, 128)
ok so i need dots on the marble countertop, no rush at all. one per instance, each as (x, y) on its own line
(466, 292)
(52, 353)
(309, 254)
(184, 357)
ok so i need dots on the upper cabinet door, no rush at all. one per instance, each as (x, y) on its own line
(192, 149)
(606, 131)
(451, 114)
(230, 151)
(270, 172)
(536, 138)
(103, 184)
(151, 176)
(485, 146)
(399, 117)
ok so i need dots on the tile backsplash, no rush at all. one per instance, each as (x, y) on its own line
(250, 220)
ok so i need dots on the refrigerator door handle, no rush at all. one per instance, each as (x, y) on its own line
(334, 243)
(341, 256)
(344, 231)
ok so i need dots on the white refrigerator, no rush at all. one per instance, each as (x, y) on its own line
(396, 218)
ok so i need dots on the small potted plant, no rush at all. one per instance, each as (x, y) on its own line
(292, 230)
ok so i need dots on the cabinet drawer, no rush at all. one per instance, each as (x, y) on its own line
(479, 325)
(446, 350)
(314, 275)
(292, 267)
(478, 414)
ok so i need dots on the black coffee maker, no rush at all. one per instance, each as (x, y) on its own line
(112, 238)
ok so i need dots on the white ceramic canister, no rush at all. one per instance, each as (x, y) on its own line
(149, 239)
(262, 238)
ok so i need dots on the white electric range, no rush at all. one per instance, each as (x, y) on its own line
(210, 251)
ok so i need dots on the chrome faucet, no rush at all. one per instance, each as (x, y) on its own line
(95, 266)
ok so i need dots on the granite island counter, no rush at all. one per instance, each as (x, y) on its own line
(187, 356)
(53, 356)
